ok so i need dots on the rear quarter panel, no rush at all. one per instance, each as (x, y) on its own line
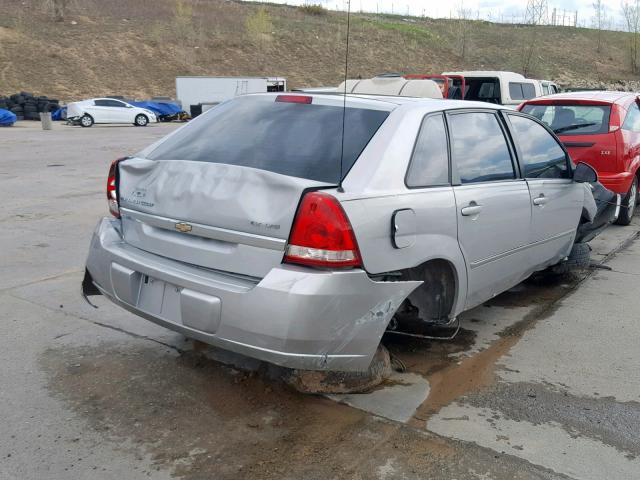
(375, 189)
(435, 233)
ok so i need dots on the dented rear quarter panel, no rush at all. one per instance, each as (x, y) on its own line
(375, 188)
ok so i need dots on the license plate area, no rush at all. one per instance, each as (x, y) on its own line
(179, 305)
(151, 295)
(169, 302)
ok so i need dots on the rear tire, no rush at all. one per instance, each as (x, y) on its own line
(629, 203)
(86, 121)
(141, 120)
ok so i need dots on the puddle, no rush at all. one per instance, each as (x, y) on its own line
(457, 377)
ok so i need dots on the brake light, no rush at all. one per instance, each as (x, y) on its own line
(321, 235)
(294, 99)
(112, 189)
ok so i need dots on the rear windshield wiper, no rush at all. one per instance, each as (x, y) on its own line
(574, 127)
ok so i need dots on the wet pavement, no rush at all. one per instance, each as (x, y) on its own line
(541, 383)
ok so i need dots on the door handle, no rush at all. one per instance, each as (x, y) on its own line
(541, 200)
(472, 209)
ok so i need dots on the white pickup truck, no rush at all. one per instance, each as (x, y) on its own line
(503, 88)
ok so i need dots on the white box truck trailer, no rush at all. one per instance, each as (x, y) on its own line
(198, 94)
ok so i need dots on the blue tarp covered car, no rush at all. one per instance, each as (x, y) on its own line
(164, 111)
(7, 118)
(59, 114)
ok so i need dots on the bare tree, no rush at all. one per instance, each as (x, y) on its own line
(599, 20)
(631, 14)
(462, 28)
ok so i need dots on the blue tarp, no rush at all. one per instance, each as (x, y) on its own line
(7, 118)
(159, 108)
(59, 114)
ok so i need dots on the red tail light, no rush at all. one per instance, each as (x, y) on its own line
(112, 189)
(322, 235)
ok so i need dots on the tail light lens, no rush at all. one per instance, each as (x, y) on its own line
(112, 189)
(322, 235)
(294, 99)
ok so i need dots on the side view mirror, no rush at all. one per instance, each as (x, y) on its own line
(584, 173)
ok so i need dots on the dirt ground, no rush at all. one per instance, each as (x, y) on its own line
(102, 394)
(137, 48)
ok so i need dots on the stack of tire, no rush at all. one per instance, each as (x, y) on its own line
(26, 106)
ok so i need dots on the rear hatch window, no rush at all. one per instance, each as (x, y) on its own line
(572, 119)
(295, 139)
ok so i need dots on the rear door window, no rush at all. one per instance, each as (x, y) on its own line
(528, 91)
(294, 139)
(521, 91)
(541, 155)
(430, 160)
(515, 91)
(479, 148)
(572, 119)
(109, 103)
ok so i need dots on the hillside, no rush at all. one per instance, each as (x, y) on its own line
(137, 47)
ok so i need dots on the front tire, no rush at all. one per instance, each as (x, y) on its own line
(141, 120)
(629, 203)
(86, 121)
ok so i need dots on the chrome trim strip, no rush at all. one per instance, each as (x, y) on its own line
(206, 231)
(479, 263)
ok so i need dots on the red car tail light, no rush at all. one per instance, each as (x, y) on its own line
(321, 235)
(112, 189)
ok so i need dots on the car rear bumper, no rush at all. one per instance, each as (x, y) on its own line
(616, 182)
(294, 317)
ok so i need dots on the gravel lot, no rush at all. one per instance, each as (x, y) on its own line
(541, 383)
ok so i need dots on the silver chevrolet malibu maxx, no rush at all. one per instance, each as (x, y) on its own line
(260, 228)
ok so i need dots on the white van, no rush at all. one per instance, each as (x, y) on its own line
(546, 87)
(501, 88)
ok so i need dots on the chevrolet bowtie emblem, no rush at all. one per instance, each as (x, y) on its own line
(183, 227)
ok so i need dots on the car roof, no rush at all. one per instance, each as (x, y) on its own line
(391, 102)
(489, 73)
(599, 95)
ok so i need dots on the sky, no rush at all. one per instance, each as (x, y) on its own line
(494, 10)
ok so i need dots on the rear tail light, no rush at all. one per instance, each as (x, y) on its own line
(112, 189)
(321, 235)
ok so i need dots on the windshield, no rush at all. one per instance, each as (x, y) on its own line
(572, 119)
(299, 140)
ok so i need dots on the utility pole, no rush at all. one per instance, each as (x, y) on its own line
(537, 12)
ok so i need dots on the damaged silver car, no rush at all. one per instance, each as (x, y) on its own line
(263, 228)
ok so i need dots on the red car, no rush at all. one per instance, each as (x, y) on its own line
(601, 129)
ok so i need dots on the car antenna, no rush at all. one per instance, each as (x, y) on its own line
(344, 96)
